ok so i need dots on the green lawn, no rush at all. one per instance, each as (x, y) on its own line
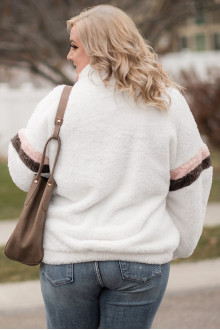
(11, 198)
(215, 190)
(11, 271)
(208, 248)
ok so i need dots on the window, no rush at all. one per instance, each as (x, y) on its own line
(183, 42)
(214, 15)
(200, 42)
(216, 41)
(200, 18)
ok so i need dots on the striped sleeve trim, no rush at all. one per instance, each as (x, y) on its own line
(187, 173)
(28, 155)
(29, 150)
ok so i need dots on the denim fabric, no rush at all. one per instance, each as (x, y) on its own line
(104, 294)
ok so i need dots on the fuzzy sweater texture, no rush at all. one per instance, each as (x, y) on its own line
(132, 182)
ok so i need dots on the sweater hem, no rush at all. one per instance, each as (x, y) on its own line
(59, 258)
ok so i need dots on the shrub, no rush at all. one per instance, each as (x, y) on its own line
(203, 97)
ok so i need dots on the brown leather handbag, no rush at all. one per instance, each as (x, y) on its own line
(25, 245)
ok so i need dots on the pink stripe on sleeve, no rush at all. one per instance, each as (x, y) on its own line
(29, 150)
(191, 164)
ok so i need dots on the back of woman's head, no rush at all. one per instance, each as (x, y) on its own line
(115, 45)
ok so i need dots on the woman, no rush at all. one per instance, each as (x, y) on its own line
(133, 178)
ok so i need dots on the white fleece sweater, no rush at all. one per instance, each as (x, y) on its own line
(132, 183)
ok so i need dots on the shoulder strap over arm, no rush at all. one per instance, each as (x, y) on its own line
(61, 109)
(58, 122)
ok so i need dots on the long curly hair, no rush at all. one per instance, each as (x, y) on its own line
(114, 44)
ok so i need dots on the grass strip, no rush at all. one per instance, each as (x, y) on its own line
(11, 198)
(11, 271)
(208, 246)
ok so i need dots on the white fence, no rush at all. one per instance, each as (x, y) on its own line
(16, 107)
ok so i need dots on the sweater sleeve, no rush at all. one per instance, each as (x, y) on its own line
(26, 147)
(191, 174)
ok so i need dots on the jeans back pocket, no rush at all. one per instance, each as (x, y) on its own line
(57, 274)
(139, 272)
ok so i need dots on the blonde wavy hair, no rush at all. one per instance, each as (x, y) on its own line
(114, 44)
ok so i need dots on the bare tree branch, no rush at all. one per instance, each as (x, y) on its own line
(35, 31)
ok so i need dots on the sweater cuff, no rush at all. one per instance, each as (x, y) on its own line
(28, 155)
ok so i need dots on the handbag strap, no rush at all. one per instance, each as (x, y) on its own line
(61, 109)
(58, 122)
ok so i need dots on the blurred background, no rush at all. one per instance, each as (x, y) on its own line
(33, 49)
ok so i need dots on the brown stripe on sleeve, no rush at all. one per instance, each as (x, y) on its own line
(30, 163)
(189, 178)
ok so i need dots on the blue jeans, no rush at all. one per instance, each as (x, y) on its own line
(102, 294)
